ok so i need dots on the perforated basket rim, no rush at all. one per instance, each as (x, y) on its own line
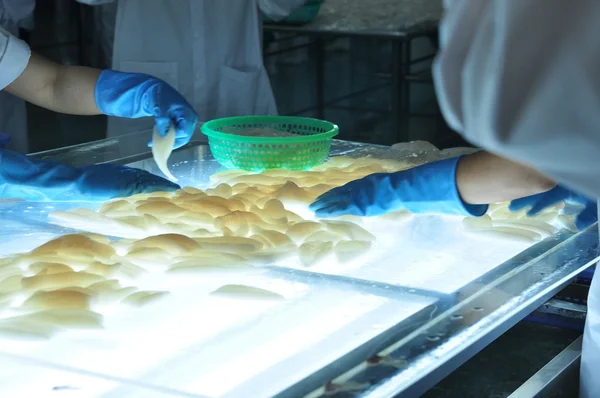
(208, 129)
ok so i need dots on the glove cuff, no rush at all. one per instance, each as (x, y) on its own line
(438, 181)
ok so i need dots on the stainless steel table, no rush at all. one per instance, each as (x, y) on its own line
(427, 299)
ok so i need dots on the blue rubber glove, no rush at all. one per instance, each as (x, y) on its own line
(540, 201)
(135, 95)
(42, 180)
(430, 188)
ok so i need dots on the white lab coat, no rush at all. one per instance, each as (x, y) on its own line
(521, 79)
(210, 51)
(13, 116)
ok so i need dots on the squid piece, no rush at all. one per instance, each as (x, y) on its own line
(263, 240)
(239, 188)
(320, 189)
(11, 284)
(284, 174)
(324, 236)
(131, 270)
(98, 223)
(275, 239)
(45, 268)
(247, 199)
(350, 230)
(274, 208)
(140, 299)
(19, 328)
(206, 207)
(62, 298)
(313, 252)
(349, 250)
(238, 222)
(162, 146)
(396, 216)
(293, 217)
(197, 220)
(229, 244)
(272, 255)
(302, 230)
(539, 227)
(160, 209)
(567, 222)
(509, 234)
(64, 317)
(141, 224)
(102, 269)
(231, 204)
(253, 191)
(214, 205)
(215, 264)
(254, 179)
(202, 233)
(115, 204)
(112, 294)
(60, 280)
(190, 191)
(244, 292)
(105, 285)
(206, 258)
(293, 194)
(12, 269)
(474, 223)
(75, 246)
(270, 217)
(146, 196)
(171, 243)
(103, 239)
(222, 190)
(226, 176)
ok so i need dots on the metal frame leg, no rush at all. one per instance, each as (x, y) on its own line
(406, 64)
(320, 77)
(399, 91)
(82, 39)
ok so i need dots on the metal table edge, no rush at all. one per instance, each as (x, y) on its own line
(354, 365)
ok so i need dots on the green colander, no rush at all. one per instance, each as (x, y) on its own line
(308, 148)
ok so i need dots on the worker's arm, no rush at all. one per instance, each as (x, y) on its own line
(483, 178)
(279, 9)
(60, 88)
(87, 91)
(463, 185)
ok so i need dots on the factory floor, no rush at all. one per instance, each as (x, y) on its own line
(500, 368)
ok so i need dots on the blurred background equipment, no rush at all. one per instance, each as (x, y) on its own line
(365, 66)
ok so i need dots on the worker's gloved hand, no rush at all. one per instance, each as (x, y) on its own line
(42, 180)
(135, 95)
(430, 188)
(540, 201)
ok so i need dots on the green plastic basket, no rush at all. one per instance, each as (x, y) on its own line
(309, 149)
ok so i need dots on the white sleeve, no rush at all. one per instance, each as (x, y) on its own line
(522, 79)
(279, 9)
(14, 57)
